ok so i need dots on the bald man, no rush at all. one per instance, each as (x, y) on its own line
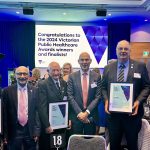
(52, 89)
(21, 126)
(84, 93)
(133, 72)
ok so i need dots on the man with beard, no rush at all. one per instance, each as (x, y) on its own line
(84, 93)
(21, 126)
(125, 70)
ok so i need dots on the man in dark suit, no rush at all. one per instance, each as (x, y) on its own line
(133, 72)
(21, 126)
(84, 95)
(52, 89)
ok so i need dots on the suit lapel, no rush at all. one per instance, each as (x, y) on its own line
(91, 80)
(61, 89)
(53, 87)
(131, 70)
(29, 89)
(78, 81)
(113, 72)
(15, 97)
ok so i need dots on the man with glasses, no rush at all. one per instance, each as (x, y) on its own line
(21, 125)
(125, 70)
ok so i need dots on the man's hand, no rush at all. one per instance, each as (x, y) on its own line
(36, 138)
(86, 121)
(106, 107)
(5, 141)
(49, 130)
(82, 116)
(69, 125)
(135, 108)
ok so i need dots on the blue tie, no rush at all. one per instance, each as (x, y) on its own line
(121, 73)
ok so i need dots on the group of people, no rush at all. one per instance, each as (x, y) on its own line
(26, 114)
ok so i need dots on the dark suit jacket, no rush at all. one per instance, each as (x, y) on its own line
(10, 100)
(75, 96)
(141, 84)
(48, 93)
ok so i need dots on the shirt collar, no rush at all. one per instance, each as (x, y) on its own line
(88, 72)
(22, 88)
(56, 80)
(126, 64)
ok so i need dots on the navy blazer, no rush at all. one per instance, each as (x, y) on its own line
(75, 95)
(10, 101)
(48, 93)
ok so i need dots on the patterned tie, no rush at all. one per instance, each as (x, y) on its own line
(57, 85)
(22, 109)
(85, 90)
(121, 73)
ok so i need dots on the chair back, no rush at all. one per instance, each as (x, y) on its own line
(86, 142)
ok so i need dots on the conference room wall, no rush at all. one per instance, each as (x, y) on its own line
(17, 42)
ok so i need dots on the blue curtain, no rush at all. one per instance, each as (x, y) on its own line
(17, 43)
(117, 32)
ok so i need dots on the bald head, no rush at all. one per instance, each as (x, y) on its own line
(22, 74)
(123, 51)
(22, 68)
(84, 54)
(123, 43)
(54, 70)
(84, 61)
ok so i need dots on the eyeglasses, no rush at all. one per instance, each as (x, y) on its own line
(22, 73)
(123, 48)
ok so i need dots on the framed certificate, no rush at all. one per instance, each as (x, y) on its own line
(58, 115)
(121, 97)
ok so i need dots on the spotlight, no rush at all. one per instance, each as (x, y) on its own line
(101, 12)
(28, 11)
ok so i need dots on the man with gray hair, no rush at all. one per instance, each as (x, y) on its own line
(125, 70)
(52, 89)
(21, 126)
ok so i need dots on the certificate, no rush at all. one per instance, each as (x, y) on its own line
(58, 115)
(121, 97)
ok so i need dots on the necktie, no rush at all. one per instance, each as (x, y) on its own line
(85, 90)
(22, 109)
(57, 85)
(121, 73)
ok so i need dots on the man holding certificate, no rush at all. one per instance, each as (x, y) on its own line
(84, 93)
(125, 86)
(52, 113)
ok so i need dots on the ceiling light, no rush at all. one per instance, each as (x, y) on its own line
(64, 13)
(101, 12)
(109, 14)
(145, 20)
(28, 11)
(17, 12)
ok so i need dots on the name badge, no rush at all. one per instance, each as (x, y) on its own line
(93, 85)
(137, 75)
(65, 98)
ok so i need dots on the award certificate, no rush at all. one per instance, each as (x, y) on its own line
(121, 97)
(58, 115)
